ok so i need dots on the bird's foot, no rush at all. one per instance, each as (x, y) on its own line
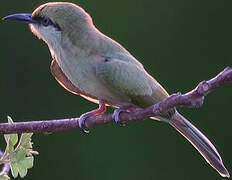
(81, 121)
(101, 109)
(117, 112)
(117, 118)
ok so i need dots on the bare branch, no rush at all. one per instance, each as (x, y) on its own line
(6, 166)
(194, 98)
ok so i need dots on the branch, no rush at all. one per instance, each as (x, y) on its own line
(6, 166)
(194, 98)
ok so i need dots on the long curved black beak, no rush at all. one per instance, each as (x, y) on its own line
(20, 17)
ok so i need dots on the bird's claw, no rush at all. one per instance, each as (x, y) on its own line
(116, 117)
(81, 122)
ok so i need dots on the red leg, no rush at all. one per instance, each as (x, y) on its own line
(101, 109)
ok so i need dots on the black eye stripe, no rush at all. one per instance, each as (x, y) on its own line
(57, 27)
(46, 21)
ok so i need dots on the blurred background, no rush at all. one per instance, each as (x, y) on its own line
(179, 42)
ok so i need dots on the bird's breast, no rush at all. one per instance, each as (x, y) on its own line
(80, 70)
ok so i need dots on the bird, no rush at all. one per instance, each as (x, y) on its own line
(90, 64)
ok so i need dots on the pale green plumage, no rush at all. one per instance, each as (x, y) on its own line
(115, 73)
(103, 70)
(131, 80)
(99, 79)
(88, 63)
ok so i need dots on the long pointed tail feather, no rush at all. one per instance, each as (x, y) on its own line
(200, 142)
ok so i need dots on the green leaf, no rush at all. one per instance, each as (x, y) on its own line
(26, 136)
(28, 162)
(4, 176)
(22, 166)
(25, 140)
(19, 155)
(22, 171)
(11, 139)
(10, 119)
(14, 169)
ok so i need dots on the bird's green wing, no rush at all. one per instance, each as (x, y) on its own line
(131, 80)
(125, 77)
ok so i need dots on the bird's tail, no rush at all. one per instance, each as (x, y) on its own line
(200, 142)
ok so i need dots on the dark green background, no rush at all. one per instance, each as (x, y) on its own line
(179, 42)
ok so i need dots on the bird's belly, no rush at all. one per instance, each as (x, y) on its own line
(81, 75)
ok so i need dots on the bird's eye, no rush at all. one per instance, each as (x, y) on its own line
(46, 21)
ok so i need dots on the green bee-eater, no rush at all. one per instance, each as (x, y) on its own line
(88, 63)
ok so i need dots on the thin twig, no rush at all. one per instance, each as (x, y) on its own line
(194, 98)
(6, 166)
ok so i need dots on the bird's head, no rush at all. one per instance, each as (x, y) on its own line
(54, 20)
